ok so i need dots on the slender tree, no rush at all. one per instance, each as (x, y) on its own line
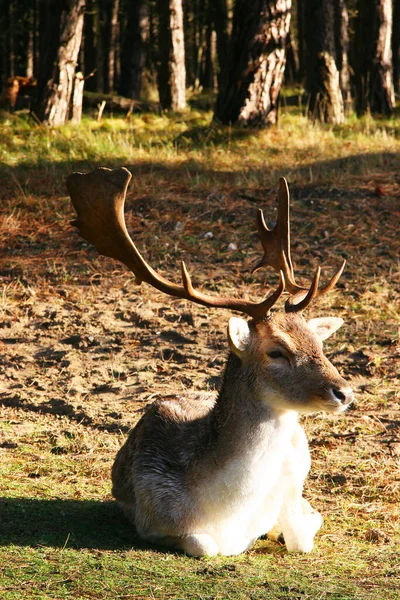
(373, 57)
(113, 48)
(396, 45)
(322, 75)
(61, 25)
(220, 17)
(249, 94)
(171, 72)
(89, 46)
(134, 48)
(342, 51)
(100, 40)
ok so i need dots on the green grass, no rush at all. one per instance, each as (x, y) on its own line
(205, 152)
(61, 535)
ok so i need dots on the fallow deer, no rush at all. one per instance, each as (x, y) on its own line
(209, 476)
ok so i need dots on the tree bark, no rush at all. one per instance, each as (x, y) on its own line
(301, 39)
(11, 39)
(61, 26)
(77, 98)
(220, 18)
(373, 69)
(342, 51)
(207, 77)
(89, 47)
(322, 75)
(396, 46)
(171, 72)
(113, 47)
(249, 95)
(292, 68)
(134, 49)
(99, 41)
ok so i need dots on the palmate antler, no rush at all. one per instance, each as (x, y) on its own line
(276, 244)
(99, 197)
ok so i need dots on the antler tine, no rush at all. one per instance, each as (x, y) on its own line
(276, 245)
(302, 299)
(98, 198)
(276, 241)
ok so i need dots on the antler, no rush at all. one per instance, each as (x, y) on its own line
(276, 244)
(99, 198)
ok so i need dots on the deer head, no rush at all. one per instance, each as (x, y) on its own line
(283, 345)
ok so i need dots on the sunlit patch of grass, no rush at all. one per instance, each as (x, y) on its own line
(317, 152)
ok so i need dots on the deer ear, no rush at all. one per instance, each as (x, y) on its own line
(239, 335)
(324, 327)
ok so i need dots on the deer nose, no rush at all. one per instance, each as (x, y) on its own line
(344, 395)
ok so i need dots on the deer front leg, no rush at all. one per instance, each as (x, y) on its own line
(299, 527)
(276, 535)
(297, 519)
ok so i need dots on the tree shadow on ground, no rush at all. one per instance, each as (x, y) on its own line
(38, 180)
(66, 523)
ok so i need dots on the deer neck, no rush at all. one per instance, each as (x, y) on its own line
(242, 414)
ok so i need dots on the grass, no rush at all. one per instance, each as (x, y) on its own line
(83, 350)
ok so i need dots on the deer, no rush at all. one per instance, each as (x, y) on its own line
(207, 474)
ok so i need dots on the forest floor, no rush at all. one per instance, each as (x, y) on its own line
(84, 349)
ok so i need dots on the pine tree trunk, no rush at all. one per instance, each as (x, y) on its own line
(220, 18)
(77, 98)
(342, 51)
(301, 39)
(134, 49)
(11, 39)
(30, 50)
(396, 46)
(322, 75)
(113, 47)
(208, 55)
(100, 42)
(249, 94)
(172, 72)
(292, 68)
(373, 69)
(190, 42)
(61, 40)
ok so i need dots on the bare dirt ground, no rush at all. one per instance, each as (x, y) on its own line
(83, 347)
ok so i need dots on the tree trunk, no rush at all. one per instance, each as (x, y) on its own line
(77, 98)
(292, 68)
(342, 51)
(250, 92)
(172, 72)
(113, 47)
(61, 27)
(322, 75)
(30, 51)
(301, 39)
(134, 49)
(220, 18)
(189, 26)
(89, 48)
(11, 39)
(396, 46)
(100, 41)
(208, 55)
(373, 69)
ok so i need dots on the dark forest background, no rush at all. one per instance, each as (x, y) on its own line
(343, 54)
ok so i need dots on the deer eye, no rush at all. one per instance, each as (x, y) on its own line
(276, 354)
